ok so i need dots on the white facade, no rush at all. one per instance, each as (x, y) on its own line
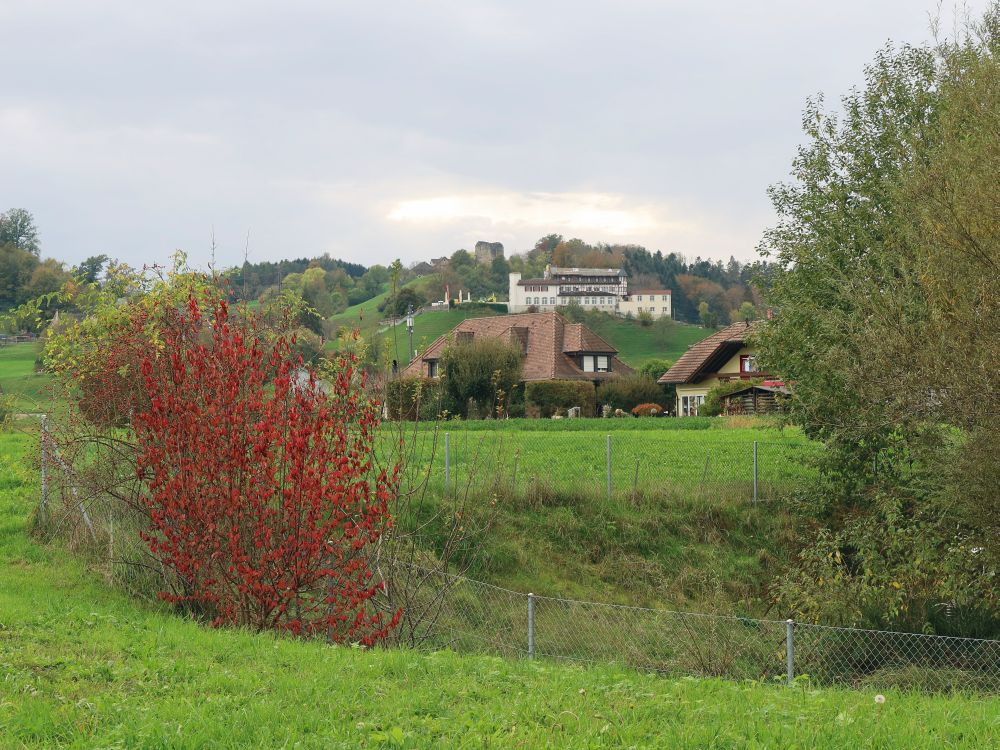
(656, 302)
(604, 289)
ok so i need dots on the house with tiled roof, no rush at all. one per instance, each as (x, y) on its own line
(554, 348)
(724, 356)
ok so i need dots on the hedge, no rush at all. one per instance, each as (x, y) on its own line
(543, 398)
(414, 399)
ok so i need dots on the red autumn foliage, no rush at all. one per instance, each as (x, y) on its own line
(258, 480)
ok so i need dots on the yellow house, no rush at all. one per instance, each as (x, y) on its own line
(723, 356)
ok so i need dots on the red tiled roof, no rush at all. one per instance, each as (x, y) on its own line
(551, 338)
(692, 364)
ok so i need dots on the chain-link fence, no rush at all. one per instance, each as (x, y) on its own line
(474, 616)
(622, 464)
(443, 610)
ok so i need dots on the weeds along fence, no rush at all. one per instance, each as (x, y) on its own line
(620, 464)
(479, 617)
(443, 610)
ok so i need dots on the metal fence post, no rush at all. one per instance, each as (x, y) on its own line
(790, 651)
(43, 507)
(609, 467)
(447, 463)
(755, 471)
(531, 626)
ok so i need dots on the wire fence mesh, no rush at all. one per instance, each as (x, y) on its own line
(480, 617)
(443, 610)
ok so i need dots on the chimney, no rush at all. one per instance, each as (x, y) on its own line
(770, 314)
(465, 337)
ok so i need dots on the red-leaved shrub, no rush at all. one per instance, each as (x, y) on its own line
(647, 410)
(258, 479)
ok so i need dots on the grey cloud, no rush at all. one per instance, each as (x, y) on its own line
(133, 128)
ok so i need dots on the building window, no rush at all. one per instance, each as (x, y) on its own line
(748, 363)
(666, 309)
(603, 363)
(596, 363)
(432, 368)
(690, 404)
(638, 298)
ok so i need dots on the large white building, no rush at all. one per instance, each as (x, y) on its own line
(604, 289)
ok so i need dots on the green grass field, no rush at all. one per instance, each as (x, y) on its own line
(638, 344)
(31, 390)
(84, 666)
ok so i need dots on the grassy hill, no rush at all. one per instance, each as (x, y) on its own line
(84, 666)
(637, 344)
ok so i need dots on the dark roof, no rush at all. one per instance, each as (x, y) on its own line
(649, 291)
(551, 339)
(564, 271)
(781, 389)
(709, 354)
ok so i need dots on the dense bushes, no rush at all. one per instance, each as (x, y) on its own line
(547, 397)
(629, 391)
(479, 376)
(414, 399)
(713, 401)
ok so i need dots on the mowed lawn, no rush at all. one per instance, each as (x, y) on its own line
(31, 390)
(652, 454)
(83, 666)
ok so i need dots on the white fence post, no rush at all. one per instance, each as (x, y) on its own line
(755, 471)
(609, 467)
(43, 507)
(790, 651)
(447, 463)
(531, 626)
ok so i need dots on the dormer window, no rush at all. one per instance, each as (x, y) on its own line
(596, 363)
(432, 368)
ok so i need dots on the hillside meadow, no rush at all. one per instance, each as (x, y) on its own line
(84, 666)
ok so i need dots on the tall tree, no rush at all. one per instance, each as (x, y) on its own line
(888, 291)
(17, 227)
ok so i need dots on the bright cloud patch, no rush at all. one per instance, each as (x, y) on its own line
(601, 213)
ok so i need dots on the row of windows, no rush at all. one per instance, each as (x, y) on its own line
(536, 288)
(597, 301)
(652, 297)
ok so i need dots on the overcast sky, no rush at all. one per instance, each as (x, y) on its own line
(376, 130)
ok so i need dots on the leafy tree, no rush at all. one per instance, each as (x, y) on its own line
(887, 285)
(16, 268)
(90, 269)
(655, 368)
(399, 303)
(481, 375)
(709, 318)
(17, 227)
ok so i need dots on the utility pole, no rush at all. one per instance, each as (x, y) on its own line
(409, 331)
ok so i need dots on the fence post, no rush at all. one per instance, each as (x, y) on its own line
(531, 626)
(755, 471)
(790, 651)
(43, 508)
(609, 467)
(447, 464)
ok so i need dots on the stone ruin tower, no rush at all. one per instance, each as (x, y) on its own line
(487, 251)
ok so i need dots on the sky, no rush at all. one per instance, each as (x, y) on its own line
(382, 130)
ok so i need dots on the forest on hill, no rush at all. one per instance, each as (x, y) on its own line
(705, 291)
